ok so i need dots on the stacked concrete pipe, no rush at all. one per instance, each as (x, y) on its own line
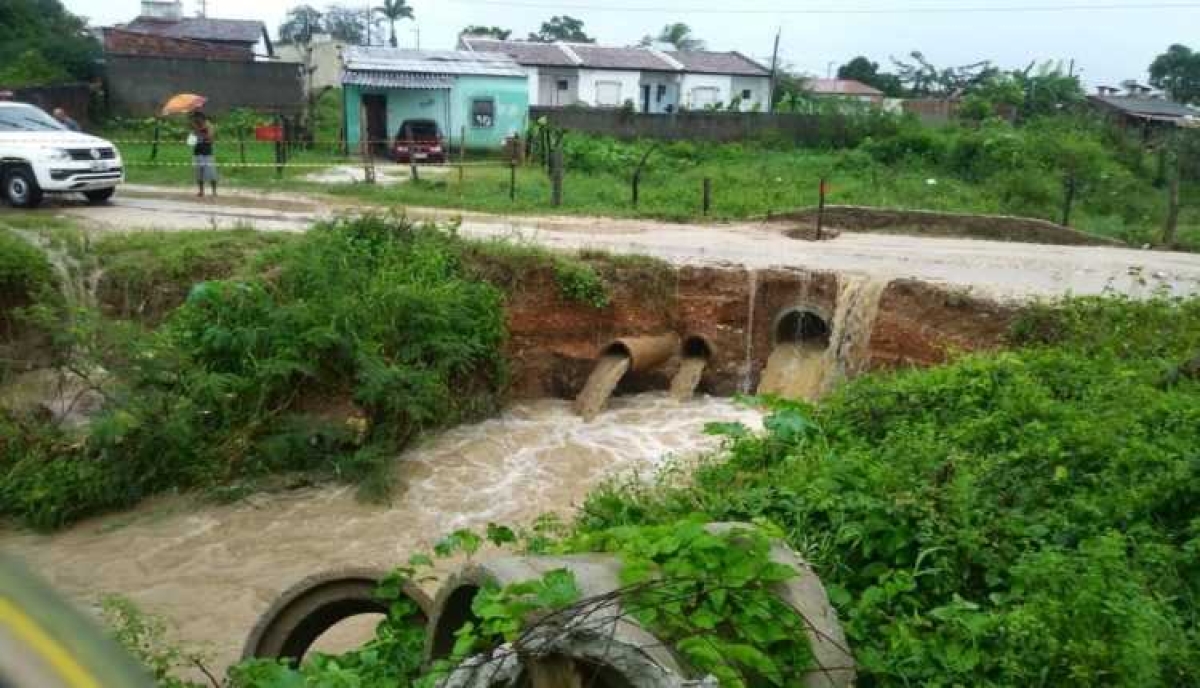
(595, 636)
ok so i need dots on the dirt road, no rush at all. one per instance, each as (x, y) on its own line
(998, 269)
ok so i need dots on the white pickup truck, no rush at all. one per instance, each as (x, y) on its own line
(39, 156)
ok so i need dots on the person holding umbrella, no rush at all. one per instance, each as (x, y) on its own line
(201, 141)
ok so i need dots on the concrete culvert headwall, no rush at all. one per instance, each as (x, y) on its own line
(802, 326)
(305, 611)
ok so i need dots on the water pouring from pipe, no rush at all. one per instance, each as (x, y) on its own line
(636, 354)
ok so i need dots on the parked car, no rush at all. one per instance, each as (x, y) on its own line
(419, 140)
(39, 156)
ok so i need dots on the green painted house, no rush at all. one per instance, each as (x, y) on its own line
(482, 96)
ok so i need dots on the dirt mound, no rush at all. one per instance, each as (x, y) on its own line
(851, 218)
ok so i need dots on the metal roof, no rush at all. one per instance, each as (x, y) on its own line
(1148, 107)
(431, 62)
(409, 80)
(524, 52)
(201, 29)
(709, 62)
(591, 56)
(639, 59)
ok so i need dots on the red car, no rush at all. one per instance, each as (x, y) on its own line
(419, 141)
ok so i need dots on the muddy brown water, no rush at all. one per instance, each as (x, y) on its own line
(807, 370)
(685, 382)
(212, 569)
(600, 385)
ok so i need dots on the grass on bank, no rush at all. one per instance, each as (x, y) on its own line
(995, 168)
(245, 356)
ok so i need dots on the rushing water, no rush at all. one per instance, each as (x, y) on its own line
(685, 382)
(211, 569)
(600, 384)
(802, 370)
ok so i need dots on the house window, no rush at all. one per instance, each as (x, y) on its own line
(483, 113)
(563, 85)
(608, 93)
(661, 92)
(747, 94)
(704, 96)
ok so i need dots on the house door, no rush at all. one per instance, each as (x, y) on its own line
(645, 97)
(377, 133)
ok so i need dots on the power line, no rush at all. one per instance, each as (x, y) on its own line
(1092, 7)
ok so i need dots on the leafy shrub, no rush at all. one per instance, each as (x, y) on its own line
(911, 144)
(1021, 518)
(373, 316)
(579, 282)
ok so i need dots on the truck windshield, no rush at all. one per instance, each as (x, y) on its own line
(26, 118)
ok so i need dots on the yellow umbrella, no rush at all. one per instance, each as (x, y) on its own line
(183, 102)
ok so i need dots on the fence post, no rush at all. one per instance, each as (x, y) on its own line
(1170, 232)
(1069, 200)
(460, 181)
(279, 153)
(821, 210)
(154, 145)
(556, 177)
(462, 146)
(707, 196)
(241, 139)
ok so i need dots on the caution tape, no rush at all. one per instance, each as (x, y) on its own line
(323, 165)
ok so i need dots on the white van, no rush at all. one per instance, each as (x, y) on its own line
(39, 156)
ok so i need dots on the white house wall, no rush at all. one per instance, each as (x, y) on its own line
(689, 98)
(759, 87)
(589, 79)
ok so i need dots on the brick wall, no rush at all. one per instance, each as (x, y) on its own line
(134, 43)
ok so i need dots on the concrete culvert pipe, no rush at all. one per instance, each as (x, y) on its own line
(696, 346)
(805, 594)
(644, 353)
(802, 326)
(316, 604)
(583, 635)
(595, 642)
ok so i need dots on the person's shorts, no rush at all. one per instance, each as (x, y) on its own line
(206, 168)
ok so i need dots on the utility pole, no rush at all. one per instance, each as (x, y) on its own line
(417, 31)
(368, 25)
(774, 72)
(202, 12)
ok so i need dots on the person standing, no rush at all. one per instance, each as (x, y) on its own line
(201, 141)
(65, 119)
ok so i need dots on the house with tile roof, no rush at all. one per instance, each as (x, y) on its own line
(845, 88)
(164, 20)
(650, 80)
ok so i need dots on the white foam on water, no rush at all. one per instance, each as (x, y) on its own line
(211, 569)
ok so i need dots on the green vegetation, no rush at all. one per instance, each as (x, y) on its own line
(337, 352)
(147, 274)
(988, 167)
(42, 43)
(1026, 518)
(1016, 519)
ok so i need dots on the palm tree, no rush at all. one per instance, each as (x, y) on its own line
(393, 11)
(680, 36)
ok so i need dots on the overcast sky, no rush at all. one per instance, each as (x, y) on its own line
(1110, 40)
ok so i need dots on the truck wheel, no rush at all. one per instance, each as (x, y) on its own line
(99, 196)
(21, 188)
